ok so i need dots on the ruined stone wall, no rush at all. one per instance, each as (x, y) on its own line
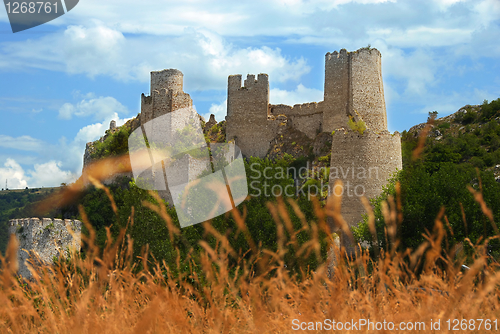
(146, 108)
(47, 237)
(247, 112)
(307, 117)
(367, 88)
(364, 163)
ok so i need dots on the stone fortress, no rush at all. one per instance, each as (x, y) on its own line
(47, 237)
(353, 90)
(363, 160)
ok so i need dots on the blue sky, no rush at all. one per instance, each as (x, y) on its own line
(61, 83)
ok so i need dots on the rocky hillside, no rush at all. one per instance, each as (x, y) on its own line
(469, 136)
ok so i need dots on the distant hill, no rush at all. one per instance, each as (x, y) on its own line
(469, 136)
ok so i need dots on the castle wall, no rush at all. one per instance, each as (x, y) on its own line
(247, 111)
(364, 163)
(307, 117)
(337, 95)
(162, 102)
(367, 88)
(146, 108)
(310, 125)
(47, 237)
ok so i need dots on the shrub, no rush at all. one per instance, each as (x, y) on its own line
(359, 126)
(444, 126)
(469, 117)
(326, 158)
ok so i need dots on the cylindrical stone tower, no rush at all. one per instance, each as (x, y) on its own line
(170, 79)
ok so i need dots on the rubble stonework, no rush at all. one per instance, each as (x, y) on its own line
(46, 237)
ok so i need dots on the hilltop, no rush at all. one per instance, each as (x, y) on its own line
(471, 135)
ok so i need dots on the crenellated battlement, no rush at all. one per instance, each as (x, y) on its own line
(303, 109)
(343, 54)
(353, 88)
(46, 237)
(234, 82)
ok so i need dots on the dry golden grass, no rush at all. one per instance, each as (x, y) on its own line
(107, 295)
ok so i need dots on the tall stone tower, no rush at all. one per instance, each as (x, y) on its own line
(166, 95)
(362, 161)
(354, 86)
(247, 111)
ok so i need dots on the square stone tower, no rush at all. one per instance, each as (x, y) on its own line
(354, 87)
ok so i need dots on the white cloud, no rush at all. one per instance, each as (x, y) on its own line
(298, 96)
(46, 174)
(76, 148)
(487, 11)
(14, 174)
(205, 57)
(49, 167)
(219, 110)
(49, 174)
(96, 48)
(102, 108)
(417, 69)
(66, 111)
(25, 143)
(424, 36)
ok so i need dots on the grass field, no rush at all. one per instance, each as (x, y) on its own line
(255, 293)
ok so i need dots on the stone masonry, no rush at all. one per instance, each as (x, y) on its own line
(46, 237)
(166, 95)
